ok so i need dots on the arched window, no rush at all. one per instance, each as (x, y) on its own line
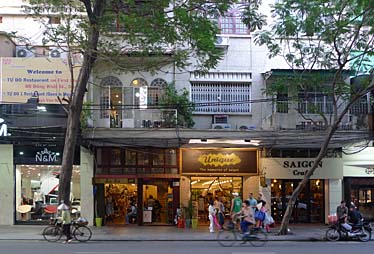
(111, 100)
(155, 91)
(138, 82)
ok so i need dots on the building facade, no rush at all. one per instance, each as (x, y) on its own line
(132, 150)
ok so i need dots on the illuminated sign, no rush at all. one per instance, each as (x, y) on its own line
(223, 161)
(46, 156)
(3, 128)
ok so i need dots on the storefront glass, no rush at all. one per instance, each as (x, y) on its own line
(37, 192)
(361, 194)
(309, 206)
(205, 189)
(156, 199)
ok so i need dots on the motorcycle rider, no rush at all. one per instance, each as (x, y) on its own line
(342, 211)
(355, 216)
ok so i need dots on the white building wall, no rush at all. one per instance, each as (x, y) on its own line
(86, 175)
(7, 185)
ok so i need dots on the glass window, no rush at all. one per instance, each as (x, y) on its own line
(205, 189)
(170, 157)
(232, 24)
(143, 158)
(130, 157)
(116, 157)
(158, 157)
(37, 192)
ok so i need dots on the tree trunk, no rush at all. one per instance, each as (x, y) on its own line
(75, 106)
(291, 203)
(287, 215)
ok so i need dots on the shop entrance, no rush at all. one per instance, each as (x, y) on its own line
(118, 201)
(205, 189)
(158, 205)
(155, 202)
(309, 207)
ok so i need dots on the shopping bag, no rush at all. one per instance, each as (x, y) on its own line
(259, 215)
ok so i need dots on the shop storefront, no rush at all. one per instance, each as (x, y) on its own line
(37, 169)
(210, 174)
(359, 180)
(147, 178)
(321, 195)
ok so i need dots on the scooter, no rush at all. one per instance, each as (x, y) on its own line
(360, 231)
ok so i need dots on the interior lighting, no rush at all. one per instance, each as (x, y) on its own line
(41, 108)
(21, 153)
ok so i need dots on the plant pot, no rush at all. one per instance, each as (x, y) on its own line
(194, 223)
(98, 222)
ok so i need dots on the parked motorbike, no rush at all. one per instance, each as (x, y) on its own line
(360, 231)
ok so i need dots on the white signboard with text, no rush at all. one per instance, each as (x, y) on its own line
(295, 168)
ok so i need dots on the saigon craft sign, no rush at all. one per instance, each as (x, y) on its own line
(226, 161)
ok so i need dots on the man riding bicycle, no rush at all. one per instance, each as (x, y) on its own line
(247, 215)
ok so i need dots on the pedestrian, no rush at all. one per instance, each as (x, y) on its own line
(66, 221)
(212, 216)
(236, 206)
(220, 211)
(252, 202)
(260, 208)
(236, 203)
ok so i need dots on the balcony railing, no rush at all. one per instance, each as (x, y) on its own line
(137, 118)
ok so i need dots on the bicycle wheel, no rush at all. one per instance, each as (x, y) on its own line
(82, 233)
(332, 235)
(226, 238)
(257, 238)
(52, 233)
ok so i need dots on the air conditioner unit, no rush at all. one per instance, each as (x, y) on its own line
(247, 127)
(24, 51)
(221, 126)
(56, 52)
(222, 41)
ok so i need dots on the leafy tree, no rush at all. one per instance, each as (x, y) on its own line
(179, 101)
(330, 37)
(152, 33)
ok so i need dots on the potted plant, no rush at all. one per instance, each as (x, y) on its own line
(188, 212)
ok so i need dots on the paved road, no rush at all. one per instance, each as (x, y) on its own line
(191, 247)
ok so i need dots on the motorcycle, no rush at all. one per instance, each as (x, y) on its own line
(360, 231)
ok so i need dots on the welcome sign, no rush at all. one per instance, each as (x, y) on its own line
(21, 78)
(223, 161)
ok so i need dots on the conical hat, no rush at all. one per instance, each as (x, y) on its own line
(63, 207)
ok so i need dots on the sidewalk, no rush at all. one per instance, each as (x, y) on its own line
(303, 232)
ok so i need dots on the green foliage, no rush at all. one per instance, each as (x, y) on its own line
(86, 114)
(318, 37)
(142, 29)
(179, 101)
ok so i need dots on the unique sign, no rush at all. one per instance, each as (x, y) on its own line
(3, 128)
(226, 161)
(23, 77)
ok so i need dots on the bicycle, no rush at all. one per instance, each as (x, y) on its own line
(80, 231)
(230, 234)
